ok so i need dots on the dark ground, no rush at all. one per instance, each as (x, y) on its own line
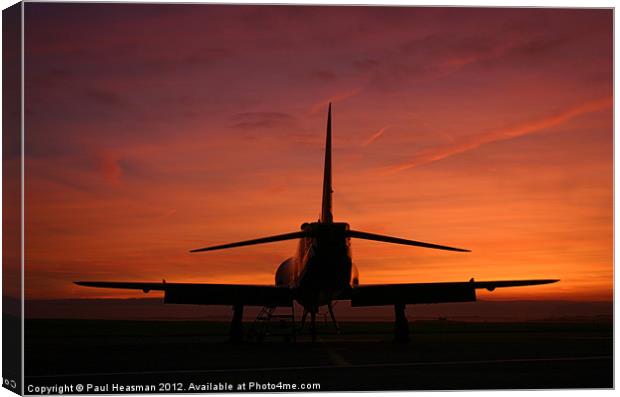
(442, 355)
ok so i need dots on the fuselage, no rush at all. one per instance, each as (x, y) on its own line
(322, 269)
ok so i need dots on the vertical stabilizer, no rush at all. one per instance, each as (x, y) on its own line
(326, 206)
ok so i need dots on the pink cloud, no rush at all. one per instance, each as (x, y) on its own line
(525, 128)
(320, 106)
(111, 169)
(375, 136)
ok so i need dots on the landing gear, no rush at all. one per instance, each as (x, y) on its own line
(331, 313)
(303, 319)
(401, 326)
(313, 325)
(313, 310)
(236, 326)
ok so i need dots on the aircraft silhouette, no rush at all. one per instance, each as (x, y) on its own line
(320, 273)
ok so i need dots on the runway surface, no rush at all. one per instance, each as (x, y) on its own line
(442, 355)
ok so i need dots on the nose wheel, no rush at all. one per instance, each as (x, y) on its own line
(313, 325)
(312, 312)
(312, 322)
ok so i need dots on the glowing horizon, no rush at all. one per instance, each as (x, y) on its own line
(155, 129)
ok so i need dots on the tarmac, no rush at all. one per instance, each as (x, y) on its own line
(194, 356)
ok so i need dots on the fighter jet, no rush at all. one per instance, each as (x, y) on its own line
(320, 273)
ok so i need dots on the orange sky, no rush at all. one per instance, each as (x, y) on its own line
(155, 129)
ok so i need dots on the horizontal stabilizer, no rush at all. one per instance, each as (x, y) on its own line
(397, 240)
(263, 240)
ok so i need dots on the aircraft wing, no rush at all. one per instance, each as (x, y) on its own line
(207, 294)
(389, 294)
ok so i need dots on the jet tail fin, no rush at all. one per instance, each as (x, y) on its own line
(326, 206)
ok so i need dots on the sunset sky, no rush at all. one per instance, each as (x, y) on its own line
(154, 129)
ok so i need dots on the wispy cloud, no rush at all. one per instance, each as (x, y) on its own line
(110, 167)
(255, 120)
(334, 98)
(324, 75)
(375, 136)
(525, 128)
(105, 97)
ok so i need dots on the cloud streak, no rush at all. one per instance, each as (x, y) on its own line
(320, 106)
(255, 120)
(375, 136)
(472, 142)
(111, 169)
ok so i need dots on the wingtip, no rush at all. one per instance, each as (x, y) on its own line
(549, 280)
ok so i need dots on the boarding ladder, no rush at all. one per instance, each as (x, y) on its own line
(270, 323)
